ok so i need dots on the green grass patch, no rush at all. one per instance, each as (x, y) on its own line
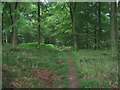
(19, 66)
(96, 69)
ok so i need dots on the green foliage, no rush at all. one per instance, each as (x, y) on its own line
(56, 40)
(56, 25)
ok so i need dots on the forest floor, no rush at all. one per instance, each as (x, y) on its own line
(54, 67)
(72, 74)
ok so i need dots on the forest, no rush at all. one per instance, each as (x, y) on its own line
(60, 44)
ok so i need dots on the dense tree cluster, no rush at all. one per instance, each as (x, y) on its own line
(81, 25)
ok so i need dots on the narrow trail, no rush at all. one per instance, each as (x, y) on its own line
(72, 74)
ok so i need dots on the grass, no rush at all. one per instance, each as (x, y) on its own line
(29, 67)
(96, 69)
(19, 66)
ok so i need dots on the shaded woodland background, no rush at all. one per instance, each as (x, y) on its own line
(81, 25)
(40, 38)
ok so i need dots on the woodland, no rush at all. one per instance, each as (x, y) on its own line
(60, 44)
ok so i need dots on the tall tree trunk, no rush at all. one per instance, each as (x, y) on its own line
(118, 28)
(1, 27)
(100, 27)
(113, 19)
(95, 38)
(1, 36)
(1, 45)
(73, 18)
(11, 22)
(95, 29)
(74, 32)
(86, 31)
(14, 28)
(38, 38)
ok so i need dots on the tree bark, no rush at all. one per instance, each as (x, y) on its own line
(38, 38)
(96, 30)
(95, 36)
(2, 27)
(113, 19)
(100, 27)
(86, 31)
(11, 22)
(118, 54)
(14, 28)
(73, 19)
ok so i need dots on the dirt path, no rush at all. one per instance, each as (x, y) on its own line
(72, 74)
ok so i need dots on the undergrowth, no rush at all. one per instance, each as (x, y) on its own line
(19, 66)
(96, 69)
(29, 67)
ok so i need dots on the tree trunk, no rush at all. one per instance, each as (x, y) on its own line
(118, 55)
(86, 31)
(1, 26)
(74, 32)
(95, 30)
(11, 22)
(38, 46)
(95, 36)
(73, 19)
(113, 19)
(100, 27)
(14, 28)
(1, 36)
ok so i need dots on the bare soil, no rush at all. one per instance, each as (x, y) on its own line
(72, 74)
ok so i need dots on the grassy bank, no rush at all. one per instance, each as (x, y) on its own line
(96, 69)
(31, 67)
